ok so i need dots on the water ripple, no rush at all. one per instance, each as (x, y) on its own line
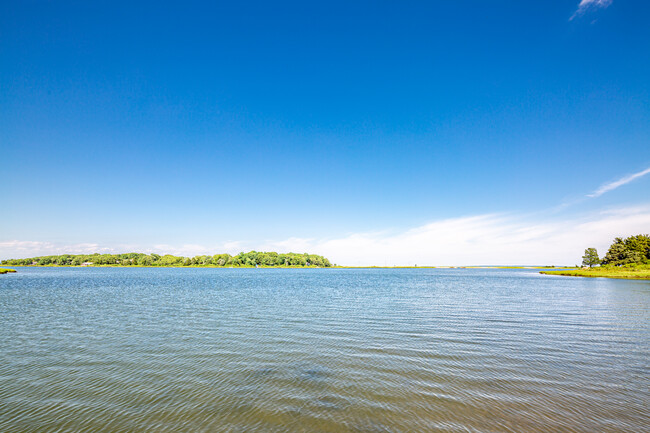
(202, 350)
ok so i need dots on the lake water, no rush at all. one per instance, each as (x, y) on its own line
(322, 350)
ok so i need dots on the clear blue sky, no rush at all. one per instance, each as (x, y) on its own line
(153, 125)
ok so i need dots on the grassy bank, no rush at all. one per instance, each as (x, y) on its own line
(6, 271)
(638, 272)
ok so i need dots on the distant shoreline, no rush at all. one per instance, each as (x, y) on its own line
(289, 267)
(605, 272)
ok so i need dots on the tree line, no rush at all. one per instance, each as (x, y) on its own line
(252, 258)
(634, 250)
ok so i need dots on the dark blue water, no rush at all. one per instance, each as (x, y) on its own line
(329, 350)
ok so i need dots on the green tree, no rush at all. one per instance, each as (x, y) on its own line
(638, 248)
(616, 253)
(633, 250)
(590, 258)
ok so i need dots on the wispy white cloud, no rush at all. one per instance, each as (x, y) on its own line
(190, 250)
(32, 248)
(482, 239)
(617, 183)
(586, 5)
(182, 250)
(489, 239)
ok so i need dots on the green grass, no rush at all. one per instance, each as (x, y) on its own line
(6, 271)
(638, 272)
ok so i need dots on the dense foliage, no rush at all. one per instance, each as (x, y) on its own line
(252, 258)
(632, 250)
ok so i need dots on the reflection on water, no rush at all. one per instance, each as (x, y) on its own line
(185, 350)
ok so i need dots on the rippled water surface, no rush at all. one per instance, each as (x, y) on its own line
(329, 350)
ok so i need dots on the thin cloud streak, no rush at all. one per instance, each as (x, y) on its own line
(618, 183)
(585, 5)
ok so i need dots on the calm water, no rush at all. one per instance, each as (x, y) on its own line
(227, 350)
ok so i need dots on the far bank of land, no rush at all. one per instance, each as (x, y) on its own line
(639, 272)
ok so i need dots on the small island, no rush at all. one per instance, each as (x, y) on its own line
(250, 259)
(6, 271)
(626, 258)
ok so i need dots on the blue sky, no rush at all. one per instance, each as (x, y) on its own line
(371, 132)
